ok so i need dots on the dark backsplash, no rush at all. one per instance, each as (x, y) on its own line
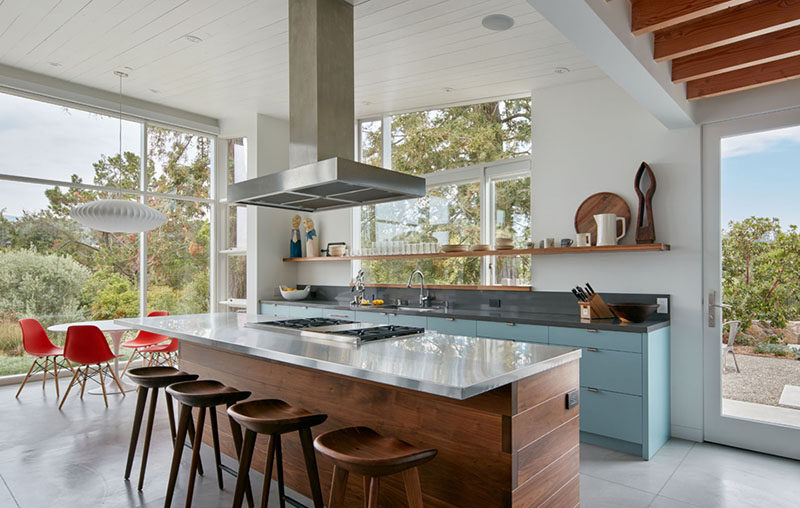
(556, 302)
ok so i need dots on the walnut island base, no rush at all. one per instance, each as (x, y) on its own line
(513, 446)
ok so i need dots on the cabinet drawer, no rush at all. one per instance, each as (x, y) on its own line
(380, 318)
(611, 414)
(266, 309)
(617, 371)
(512, 331)
(601, 339)
(405, 320)
(282, 311)
(339, 314)
(305, 312)
(453, 326)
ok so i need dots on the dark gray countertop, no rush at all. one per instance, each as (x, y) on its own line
(653, 323)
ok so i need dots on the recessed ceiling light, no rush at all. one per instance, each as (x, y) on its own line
(561, 70)
(55, 64)
(498, 22)
(447, 89)
(192, 38)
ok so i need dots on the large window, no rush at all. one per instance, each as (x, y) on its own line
(475, 160)
(55, 270)
(233, 256)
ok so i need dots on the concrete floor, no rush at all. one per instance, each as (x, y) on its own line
(76, 457)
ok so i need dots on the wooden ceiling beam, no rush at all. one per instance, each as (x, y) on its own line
(651, 15)
(744, 79)
(746, 53)
(755, 18)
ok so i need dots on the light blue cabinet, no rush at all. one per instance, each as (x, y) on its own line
(624, 387)
(349, 315)
(405, 320)
(272, 310)
(298, 311)
(380, 318)
(512, 331)
(453, 326)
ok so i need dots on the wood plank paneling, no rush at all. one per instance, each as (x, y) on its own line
(744, 79)
(532, 391)
(545, 450)
(651, 15)
(534, 423)
(755, 51)
(733, 25)
(568, 496)
(549, 481)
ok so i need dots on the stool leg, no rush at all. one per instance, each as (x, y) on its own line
(151, 415)
(338, 487)
(236, 432)
(365, 480)
(311, 466)
(137, 422)
(279, 460)
(268, 472)
(183, 424)
(170, 415)
(198, 443)
(190, 430)
(372, 496)
(243, 475)
(413, 489)
(212, 412)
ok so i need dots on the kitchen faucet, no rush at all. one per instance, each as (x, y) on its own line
(423, 297)
(358, 288)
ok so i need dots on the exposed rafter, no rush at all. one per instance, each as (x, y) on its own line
(744, 79)
(651, 15)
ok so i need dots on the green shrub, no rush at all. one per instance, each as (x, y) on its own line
(42, 286)
(774, 349)
(10, 336)
(195, 296)
(111, 295)
(162, 298)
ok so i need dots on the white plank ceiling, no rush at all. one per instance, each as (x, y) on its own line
(410, 54)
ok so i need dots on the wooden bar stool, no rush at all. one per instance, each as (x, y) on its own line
(275, 417)
(363, 451)
(204, 395)
(152, 378)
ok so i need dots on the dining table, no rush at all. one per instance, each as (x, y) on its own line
(115, 331)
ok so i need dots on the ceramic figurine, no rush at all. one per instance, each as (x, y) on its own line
(312, 240)
(295, 245)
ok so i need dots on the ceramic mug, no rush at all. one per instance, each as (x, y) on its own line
(549, 243)
(583, 239)
(566, 242)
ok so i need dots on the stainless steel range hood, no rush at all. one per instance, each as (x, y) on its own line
(324, 175)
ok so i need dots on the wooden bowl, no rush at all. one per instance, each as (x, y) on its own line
(480, 246)
(337, 250)
(453, 247)
(633, 312)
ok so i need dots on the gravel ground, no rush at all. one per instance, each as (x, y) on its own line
(761, 378)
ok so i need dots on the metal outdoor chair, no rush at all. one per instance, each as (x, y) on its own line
(728, 348)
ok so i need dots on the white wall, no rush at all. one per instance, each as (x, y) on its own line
(332, 226)
(591, 137)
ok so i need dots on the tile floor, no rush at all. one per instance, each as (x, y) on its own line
(75, 457)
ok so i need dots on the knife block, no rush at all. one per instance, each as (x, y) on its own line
(595, 308)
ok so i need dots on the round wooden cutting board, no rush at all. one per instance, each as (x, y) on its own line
(602, 202)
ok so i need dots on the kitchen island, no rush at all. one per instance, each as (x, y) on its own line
(496, 410)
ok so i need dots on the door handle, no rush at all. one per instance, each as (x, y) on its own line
(712, 306)
(590, 389)
(511, 324)
(338, 315)
(450, 319)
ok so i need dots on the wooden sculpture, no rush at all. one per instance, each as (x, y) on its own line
(645, 231)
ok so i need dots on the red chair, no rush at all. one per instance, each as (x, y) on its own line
(36, 343)
(143, 340)
(168, 351)
(87, 347)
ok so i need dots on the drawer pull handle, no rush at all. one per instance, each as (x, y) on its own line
(450, 319)
(337, 315)
(593, 389)
(511, 324)
(592, 349)
(591, 330)
(388, 313)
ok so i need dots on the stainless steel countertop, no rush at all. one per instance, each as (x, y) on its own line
(448, 365)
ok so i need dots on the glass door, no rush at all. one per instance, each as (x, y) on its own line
(751, 280)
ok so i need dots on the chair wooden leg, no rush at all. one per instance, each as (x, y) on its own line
(268, 472)
(116, 379)
(128, 364)
(245, 460)
(196, 446)
(151, 415)
(170, 415)
(44, 372)
(279, 463)
(102, 383)
(141, 400)
(26, 378)
(374, 490)
(74, 376)
(85, 379)
(236, 432)
(180, 437)
(311, 466)
(55, 374)
(212, 413)
(338, 487)
(413, 489)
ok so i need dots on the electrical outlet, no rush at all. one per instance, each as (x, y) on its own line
(663, 306)
(494, 302)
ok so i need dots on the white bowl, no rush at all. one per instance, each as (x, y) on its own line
(294, 295)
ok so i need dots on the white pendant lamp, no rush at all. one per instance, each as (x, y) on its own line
(116, 215)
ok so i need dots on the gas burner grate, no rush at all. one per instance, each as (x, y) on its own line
(300, 324)
(381, 332)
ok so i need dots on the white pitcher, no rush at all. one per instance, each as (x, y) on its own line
(607, 228)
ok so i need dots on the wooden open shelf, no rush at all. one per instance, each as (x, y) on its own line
(642, 247)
